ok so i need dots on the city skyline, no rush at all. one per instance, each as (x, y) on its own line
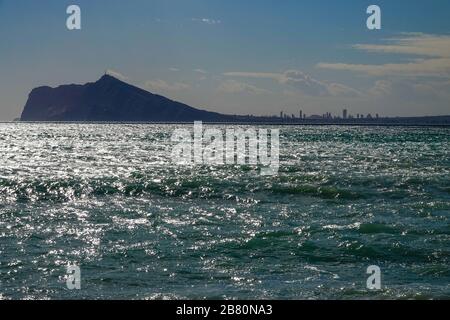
(237, 57)
(329, 115)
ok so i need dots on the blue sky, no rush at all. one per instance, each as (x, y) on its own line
(245, 57)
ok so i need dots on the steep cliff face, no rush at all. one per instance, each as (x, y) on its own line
(109, 99)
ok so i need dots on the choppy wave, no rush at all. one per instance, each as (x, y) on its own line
(108, 198)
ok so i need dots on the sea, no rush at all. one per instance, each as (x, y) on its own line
(108, 201)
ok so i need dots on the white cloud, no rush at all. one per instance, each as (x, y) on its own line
(340, 90)
(302, 82)
(174, 69)
(422, 67)
(413, 44)
(381, 88)
(233, 86)
(203, 74)
(200, 71)
(411, 90)
(116, 74)
(207, 21)
(432, 51)
(259, 75)
(161, 85)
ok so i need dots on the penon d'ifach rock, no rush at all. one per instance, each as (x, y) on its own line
(109, 99)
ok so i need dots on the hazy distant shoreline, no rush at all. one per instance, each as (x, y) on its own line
(110, 100)
(247, 123)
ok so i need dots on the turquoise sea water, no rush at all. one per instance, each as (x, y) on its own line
(108, 198)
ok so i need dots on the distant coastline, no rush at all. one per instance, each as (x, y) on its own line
(410, 123)
(110, 100)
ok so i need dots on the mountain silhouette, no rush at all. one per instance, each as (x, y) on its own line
(109, 99)
(112, 100)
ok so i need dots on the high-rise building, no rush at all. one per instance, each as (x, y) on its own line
(344, 114)
(301, 114)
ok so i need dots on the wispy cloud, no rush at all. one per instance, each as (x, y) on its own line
(412, 44)
(233, 86)
(207, 21)
(200, 71)
(432, 57)
(161, 85)
(117, 75)
(411, 90)
(302, 82)
(430, 67)
(258, 75)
